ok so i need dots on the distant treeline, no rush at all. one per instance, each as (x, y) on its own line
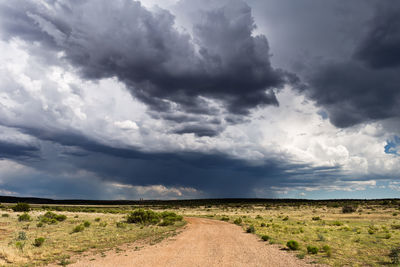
(203, 202)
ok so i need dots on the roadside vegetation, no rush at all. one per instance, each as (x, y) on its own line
(336, 233)
(36, 236)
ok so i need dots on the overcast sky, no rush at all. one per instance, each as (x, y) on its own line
(174, 99)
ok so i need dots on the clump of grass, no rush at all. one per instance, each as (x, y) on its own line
(292, 245)
(258, 217)
(263, 225)
(97, 219)
(265, 238)
(312, 250)
(21, 236)
(38, 242)
(143, 216)
(286, 218)
(78, 228)
(86, 224)
(39, 224)
(226, 219)
(251, 229)
(20, 245)
(327, 250)
(120, 225)
(169, 218)
(21, 207)
(5, 215)
(24, 217)
(337, 223)
(317, 218)
(238, 221)
(321, 237)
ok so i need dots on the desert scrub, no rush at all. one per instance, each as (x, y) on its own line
(312, 250)
(265, 237)
(225, 219)
(38, 242)
(78, 228)
(86, 224)
(21, 236)
(24, 217)
(238, 221)
(5, 215)
(251, 229)
(348, 209)
(292, 245)
(143, 216)
(394, 255)
(21, 207)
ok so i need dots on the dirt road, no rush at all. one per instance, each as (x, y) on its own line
(203, 242)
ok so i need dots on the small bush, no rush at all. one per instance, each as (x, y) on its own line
(97, 219)
(262, 224)
(143, 217)
(238, 221)
(86, 224)
(4, 215)
(321, 237)
(166, 222)
(226, 219)
(250, 229)
(39, 224)
(103, 224)
(316, 218)
(312, 250)
(24, 217)
(265, 238)
(21, 207)
(78, 228)
(388, 236)
(38, 242)
(394, 255)
(258, 217)
(337, 223)
(21, 236)
(52, 216)
(327, 250)
(395, 226)
(348, 209)
(286, 218)
(292, 245)
(20, 245)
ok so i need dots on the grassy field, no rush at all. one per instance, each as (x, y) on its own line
(364, 237)
(363, 233)
(20, 243)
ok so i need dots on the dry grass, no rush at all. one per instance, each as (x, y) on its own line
(362, 238)
(60, 243)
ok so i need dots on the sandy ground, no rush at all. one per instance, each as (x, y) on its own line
(203, 242)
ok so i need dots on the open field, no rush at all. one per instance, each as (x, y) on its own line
(363, 235)
(79, 232)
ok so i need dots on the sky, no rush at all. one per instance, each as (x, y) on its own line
(180, 99)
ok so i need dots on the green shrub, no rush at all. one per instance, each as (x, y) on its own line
(265, 238)
(52, 216)
(103, 224)
(21, 236)
(292, 245)
(78, 228)
(337, 223)
(250, 229)
(24, 217)
(388, 236)
(238, 221)
(394, 255)
(86, 224)
(20, 245)
(21, 207)
(262, 225)
(97, 219)
(316, 218)
(4, 215)
(286, 218)
(39, 224)
(144, 217)
(312, 250)
(348, 209)
(38, 242)
(166, 222)
(226, 219)
(258, 217)
(395, 226)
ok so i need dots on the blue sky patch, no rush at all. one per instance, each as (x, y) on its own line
(392, 146)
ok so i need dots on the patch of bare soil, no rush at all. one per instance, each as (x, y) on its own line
(203, 242)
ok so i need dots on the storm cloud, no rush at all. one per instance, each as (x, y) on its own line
(166, 68)
(365, 87)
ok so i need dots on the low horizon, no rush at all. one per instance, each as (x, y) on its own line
(185, 99)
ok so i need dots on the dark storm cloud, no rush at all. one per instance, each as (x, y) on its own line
(366, 87)
(15, 150)
(160, 65)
